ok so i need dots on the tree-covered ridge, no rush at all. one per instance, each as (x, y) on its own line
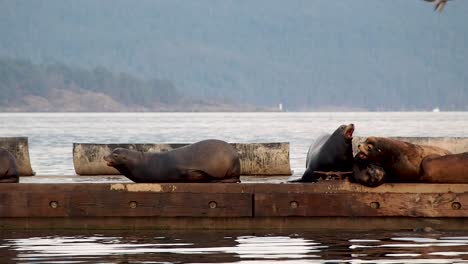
(20, 79)
(307, 55)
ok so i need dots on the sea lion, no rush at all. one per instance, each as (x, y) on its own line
(451, 168)
(367, 174)
(400, 160)
(8, 167)
(205, 161)
(330, 153)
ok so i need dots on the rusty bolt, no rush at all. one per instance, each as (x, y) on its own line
(53, 204)
(456, 206)
(294, 204)
(212, 204)
(375, 205)
(132, 204)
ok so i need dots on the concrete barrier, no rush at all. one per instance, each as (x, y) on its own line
(255, 158)
(18, 146)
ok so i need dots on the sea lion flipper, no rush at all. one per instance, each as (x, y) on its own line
(9, 180)
(308, 176)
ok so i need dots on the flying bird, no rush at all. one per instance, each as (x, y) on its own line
(438, 4)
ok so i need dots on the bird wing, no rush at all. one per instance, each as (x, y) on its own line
(439, 6)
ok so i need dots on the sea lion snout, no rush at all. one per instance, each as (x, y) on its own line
(348, 131)
(109, 159)
(363, 151)
(115, 157)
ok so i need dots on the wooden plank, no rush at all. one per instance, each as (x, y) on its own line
(161, 204)
(74, 200)
(362, 204)
(325, 199)
(332, 186)
(245, 224)
(255, 158)
(344, 186)
(251, 185)
(18, 147)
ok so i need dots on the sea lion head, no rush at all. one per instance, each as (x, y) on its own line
(347, 131)
(118, 157)
(368, 174)
(370, 149)
(375, 175)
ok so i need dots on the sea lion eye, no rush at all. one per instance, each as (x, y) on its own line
(115, 155)
(369, 147)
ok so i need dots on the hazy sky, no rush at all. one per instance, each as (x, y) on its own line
(264, 50)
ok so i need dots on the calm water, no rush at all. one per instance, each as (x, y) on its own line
(51, 137)
(228, 247)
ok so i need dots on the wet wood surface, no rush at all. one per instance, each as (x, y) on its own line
(323, 199)
(362, 204)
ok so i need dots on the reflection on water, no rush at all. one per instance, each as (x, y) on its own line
(217, 247)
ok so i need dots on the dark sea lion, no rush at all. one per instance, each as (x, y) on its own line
(451, 168)
(367, 174)
(8, 167)
(330, 153)
(400, 160)
(205, 161)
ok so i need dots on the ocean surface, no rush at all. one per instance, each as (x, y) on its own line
(51, 136)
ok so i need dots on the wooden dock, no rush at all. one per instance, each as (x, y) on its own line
(111, 202)
(99, 199)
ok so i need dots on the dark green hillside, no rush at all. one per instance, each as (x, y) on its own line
(20, 79)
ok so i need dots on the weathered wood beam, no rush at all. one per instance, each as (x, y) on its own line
(252, 224)
(326, 199)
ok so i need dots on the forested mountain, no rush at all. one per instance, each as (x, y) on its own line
(56, 87)
(305, 54)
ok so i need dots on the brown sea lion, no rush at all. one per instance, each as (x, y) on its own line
(451, 168)
(8, 167)
(400, 160)
(330, 153)
(367, 174)
(205, 161)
